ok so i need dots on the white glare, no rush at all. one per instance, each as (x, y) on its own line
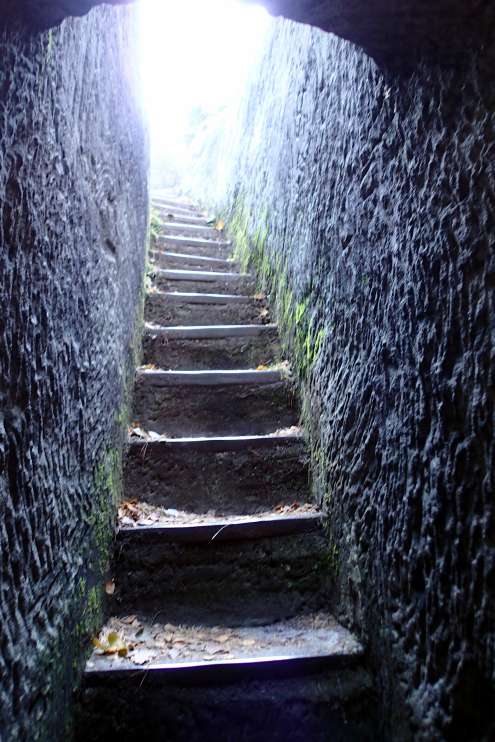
(195, 56)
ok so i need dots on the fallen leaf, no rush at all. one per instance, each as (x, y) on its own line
(223, 638)
(259, 296)
(220, 224)
(113, 644)
(262, 367)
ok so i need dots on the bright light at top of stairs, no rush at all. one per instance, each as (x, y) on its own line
(196, 54)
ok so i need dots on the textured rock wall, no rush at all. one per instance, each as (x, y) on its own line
(367, 202)
(73, 202)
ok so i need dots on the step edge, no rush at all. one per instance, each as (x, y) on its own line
(208, 276)
(201, 258)
(197, 295)
(217, 377)
(205, 332)
(203, 669)
(193, 241)
(206, 533)
(219, 443)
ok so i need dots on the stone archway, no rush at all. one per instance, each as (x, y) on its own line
(406, 30)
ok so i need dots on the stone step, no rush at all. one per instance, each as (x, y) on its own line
(226, 528)
(209, 281)
(183, 403)
(192, 308)
(171, 203)
(238, 475)
(228, 346)
(210, 250)
(163, 258)
(257, 579)
(197, 242)
(171, 228)
(301, 680)
(181, 217)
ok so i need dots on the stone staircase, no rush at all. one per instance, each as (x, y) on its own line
(218, 628)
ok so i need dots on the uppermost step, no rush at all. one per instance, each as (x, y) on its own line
(172, 204)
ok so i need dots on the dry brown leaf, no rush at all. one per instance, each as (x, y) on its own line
(219, 225)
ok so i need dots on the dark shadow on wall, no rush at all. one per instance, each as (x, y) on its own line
(73, 228)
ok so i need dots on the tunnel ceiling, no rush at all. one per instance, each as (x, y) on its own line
(382, 27)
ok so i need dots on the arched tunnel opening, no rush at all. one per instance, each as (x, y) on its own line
(246, 370)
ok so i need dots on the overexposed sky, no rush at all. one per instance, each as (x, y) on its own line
(195, 53)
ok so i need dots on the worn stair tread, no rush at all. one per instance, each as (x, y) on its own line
(225, 528)
(219, 377)
(136, 514)
(183, 219)
(194, 241)
(209, 331)
(178, 274)
(228, 262)
(172, 227)
(196, 297)
(304, 643)
(173, 203)
(174, 213)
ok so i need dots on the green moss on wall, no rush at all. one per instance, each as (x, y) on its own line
(301, 336)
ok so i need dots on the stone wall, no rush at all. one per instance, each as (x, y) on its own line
(73, 200)
(366, 199)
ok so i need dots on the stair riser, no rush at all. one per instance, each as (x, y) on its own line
(233, 285)
(233, 583)
(230, 482)
(190, 263)
(331, 705)
(161, 310)
(243, 409)
(224, 353)
(208, 251)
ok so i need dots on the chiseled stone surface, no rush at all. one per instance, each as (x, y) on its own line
(378, 193)
(73, 200)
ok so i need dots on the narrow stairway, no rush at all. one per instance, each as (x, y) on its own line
(217, 627)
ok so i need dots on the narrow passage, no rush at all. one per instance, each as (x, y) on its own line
(217, 627)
